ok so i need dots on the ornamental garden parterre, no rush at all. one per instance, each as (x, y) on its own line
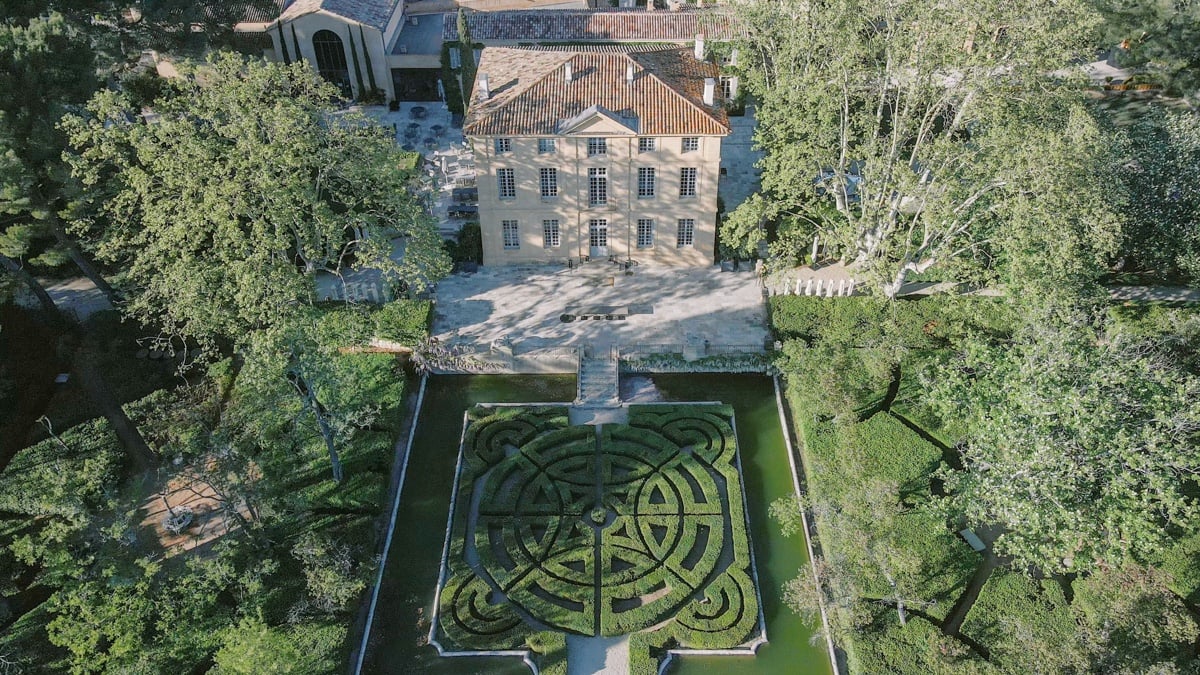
(598, 530)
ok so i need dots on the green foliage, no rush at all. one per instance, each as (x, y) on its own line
(454, 94)
(217, 244)
(1027, 626)
(528, 493)
(252, 647)
(330, 572)
(918, 169)
(788, 513)
(917, 647)
(469, 247)
(1055, 424)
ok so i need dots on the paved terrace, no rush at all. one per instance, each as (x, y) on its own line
(663, 305)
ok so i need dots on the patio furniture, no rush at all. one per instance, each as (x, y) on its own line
(438, 130)
(430, 143)
(412, 130)
(463, 211)
(465, 195)
(418, 112)
(408, 147)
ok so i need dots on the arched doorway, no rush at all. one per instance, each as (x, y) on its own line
(331, 59)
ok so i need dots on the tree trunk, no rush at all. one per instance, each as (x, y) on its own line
(81, 261)
(12, 267)
(318, 410)
(100, 393)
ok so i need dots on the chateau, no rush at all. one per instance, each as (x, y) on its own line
(594, 153)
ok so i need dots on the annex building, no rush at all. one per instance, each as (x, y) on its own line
(596, 152)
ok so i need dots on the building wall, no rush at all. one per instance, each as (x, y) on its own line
(308, 25)
(624, 207)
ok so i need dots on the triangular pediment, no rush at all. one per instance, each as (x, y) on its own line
(598, 121)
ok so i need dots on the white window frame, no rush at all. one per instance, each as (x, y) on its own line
(645, 233)
(547, 146)
(551, 234)
(647, 182)
(685, 234)
(506, 183)
(548, 182)
(690, 144)
(689, 179)
(597, 147)
(511, 232)
(502, 145)
(647, 144)
(597, 186)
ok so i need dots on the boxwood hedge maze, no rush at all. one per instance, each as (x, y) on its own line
(602, 530)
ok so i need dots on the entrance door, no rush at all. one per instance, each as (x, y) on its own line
(598, 238)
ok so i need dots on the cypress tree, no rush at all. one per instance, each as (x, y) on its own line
(287, 60)
(357, 70)
(367, 59)
(296, 44)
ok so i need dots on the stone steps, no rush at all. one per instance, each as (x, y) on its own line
(599, 381)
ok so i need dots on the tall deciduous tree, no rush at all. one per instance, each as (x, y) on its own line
(879, 108)
(1082, 450)
(1162, 36)
(45, 66)
(247, 183)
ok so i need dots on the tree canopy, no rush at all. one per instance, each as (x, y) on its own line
(905, 124)
(245, 183)
(1083, 450)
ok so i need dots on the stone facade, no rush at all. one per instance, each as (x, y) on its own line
(595, 155)
(624, 208)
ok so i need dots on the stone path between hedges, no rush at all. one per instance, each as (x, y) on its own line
(591, 655)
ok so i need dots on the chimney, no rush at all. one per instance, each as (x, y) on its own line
(700, 46)
(710, 89)
(484, 92)
(629, 74)
(567, 73)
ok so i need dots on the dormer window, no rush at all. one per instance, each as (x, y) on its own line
(597, 147)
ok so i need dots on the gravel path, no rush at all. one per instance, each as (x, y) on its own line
(590, 655)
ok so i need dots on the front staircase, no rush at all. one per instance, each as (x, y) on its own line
(599, 380)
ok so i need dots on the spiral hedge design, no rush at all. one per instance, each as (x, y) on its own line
(598, 531)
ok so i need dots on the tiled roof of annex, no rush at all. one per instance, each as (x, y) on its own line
(529, 94)
(538, 25)
(375, 13)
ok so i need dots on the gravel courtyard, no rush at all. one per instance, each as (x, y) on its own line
(661, 305)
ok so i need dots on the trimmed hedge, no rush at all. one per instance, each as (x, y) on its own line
(534, 535)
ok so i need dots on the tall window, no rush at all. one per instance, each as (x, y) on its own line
(597, 187)
(597, 146)
(691, 144)
(645, 233)
(503, 145)
(550, 234)
(728, 87)
(506, 183)
(545, 146)
(646, 144)
(645, 182)
(331, 59)
(685, 236)
(512, 237)
(687, 182)
(549, 182)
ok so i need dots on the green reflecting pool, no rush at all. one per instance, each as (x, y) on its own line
(397, 643)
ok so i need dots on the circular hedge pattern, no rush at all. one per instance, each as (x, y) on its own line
(607, 530)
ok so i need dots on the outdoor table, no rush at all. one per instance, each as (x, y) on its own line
(408, 147)
(430, 143)
(438, 130)
(412, 130)
(418, 112)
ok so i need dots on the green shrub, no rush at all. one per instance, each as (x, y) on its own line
(1028, 626)
(403, 321)
(917, 647)
(68, 478)
(854, 321)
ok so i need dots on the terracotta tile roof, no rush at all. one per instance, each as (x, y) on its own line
(529, 94)
(368, 12)
(555, 25)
